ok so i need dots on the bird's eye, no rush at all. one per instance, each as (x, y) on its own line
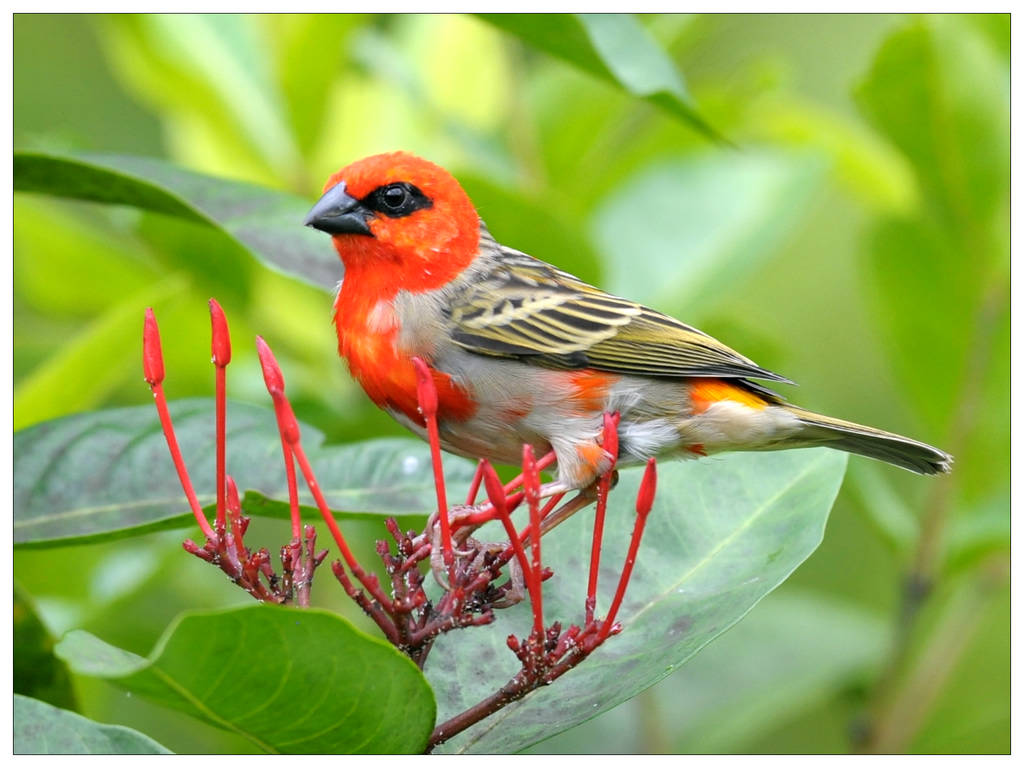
(394, 196)
(397, 199)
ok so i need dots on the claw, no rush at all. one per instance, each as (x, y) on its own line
(460, 537)
(437, 564)
(516, 587)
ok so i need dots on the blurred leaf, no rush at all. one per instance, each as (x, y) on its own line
(614, 47)
(88, 366)
(95, 261)
(679, 231)
(405, 94)
(309, 55)
(787, 655)
(886, 511)
(926, 295)
(265, 223)
(109, 473)
(799, 649)
(871, 169)
(210, 77)
(480, 97)
(534, 226)
(996, 27)
(723, 533)
(37, 672)
(939, 93)
(975, 536)
(41, 729)
(305, 682)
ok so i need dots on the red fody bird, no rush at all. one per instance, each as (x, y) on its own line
(522, 352)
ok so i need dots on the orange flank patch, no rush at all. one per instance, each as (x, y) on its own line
(590, 388)
(590, 453)
(705, 392)
(697, 449)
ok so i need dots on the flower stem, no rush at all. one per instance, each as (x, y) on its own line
(153, 370)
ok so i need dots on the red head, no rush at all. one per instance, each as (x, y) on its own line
(400, 219)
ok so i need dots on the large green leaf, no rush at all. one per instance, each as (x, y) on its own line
(42, 729)
(109, 473)
(295, 681)
(614, 47)
(784, 657)
(266, 223)
(723, 533)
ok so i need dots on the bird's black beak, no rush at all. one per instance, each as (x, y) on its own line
(337, 213)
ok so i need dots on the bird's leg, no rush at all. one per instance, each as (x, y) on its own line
(585, 497)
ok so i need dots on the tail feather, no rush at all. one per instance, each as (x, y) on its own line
(874, 443)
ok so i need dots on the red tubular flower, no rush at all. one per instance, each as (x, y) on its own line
(644, 502)
(610, 443)
(531, 488)
(153, 370)
(426, 396)
(220, 348)
(496, 493)
(152, 355)
(220, 339)
(288, 427)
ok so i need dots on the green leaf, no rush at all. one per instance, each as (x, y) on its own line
(98, 349)
(37, 672)
(223, 108)
(535, 226)
(940, 93)
(884, 510)
(723, 533)
(677, 232)
(291, 681)
(106, 474)
(265, 223)
(786, 656)
(975, 536)
(42, 729)
(308, 49)
(615, 47)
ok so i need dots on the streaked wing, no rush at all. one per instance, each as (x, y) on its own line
(528, 309)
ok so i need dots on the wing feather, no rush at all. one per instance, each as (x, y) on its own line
(524, 308)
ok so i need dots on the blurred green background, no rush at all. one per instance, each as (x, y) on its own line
(855, 239)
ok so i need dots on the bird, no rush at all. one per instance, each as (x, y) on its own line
(524, 353)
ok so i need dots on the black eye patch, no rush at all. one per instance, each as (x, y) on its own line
(396, 200)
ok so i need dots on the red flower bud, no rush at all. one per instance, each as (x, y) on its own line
(648, 486)
(220, 343)
(271, 370)
(152, 357)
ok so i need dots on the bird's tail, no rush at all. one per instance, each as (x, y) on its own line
(874, 443)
